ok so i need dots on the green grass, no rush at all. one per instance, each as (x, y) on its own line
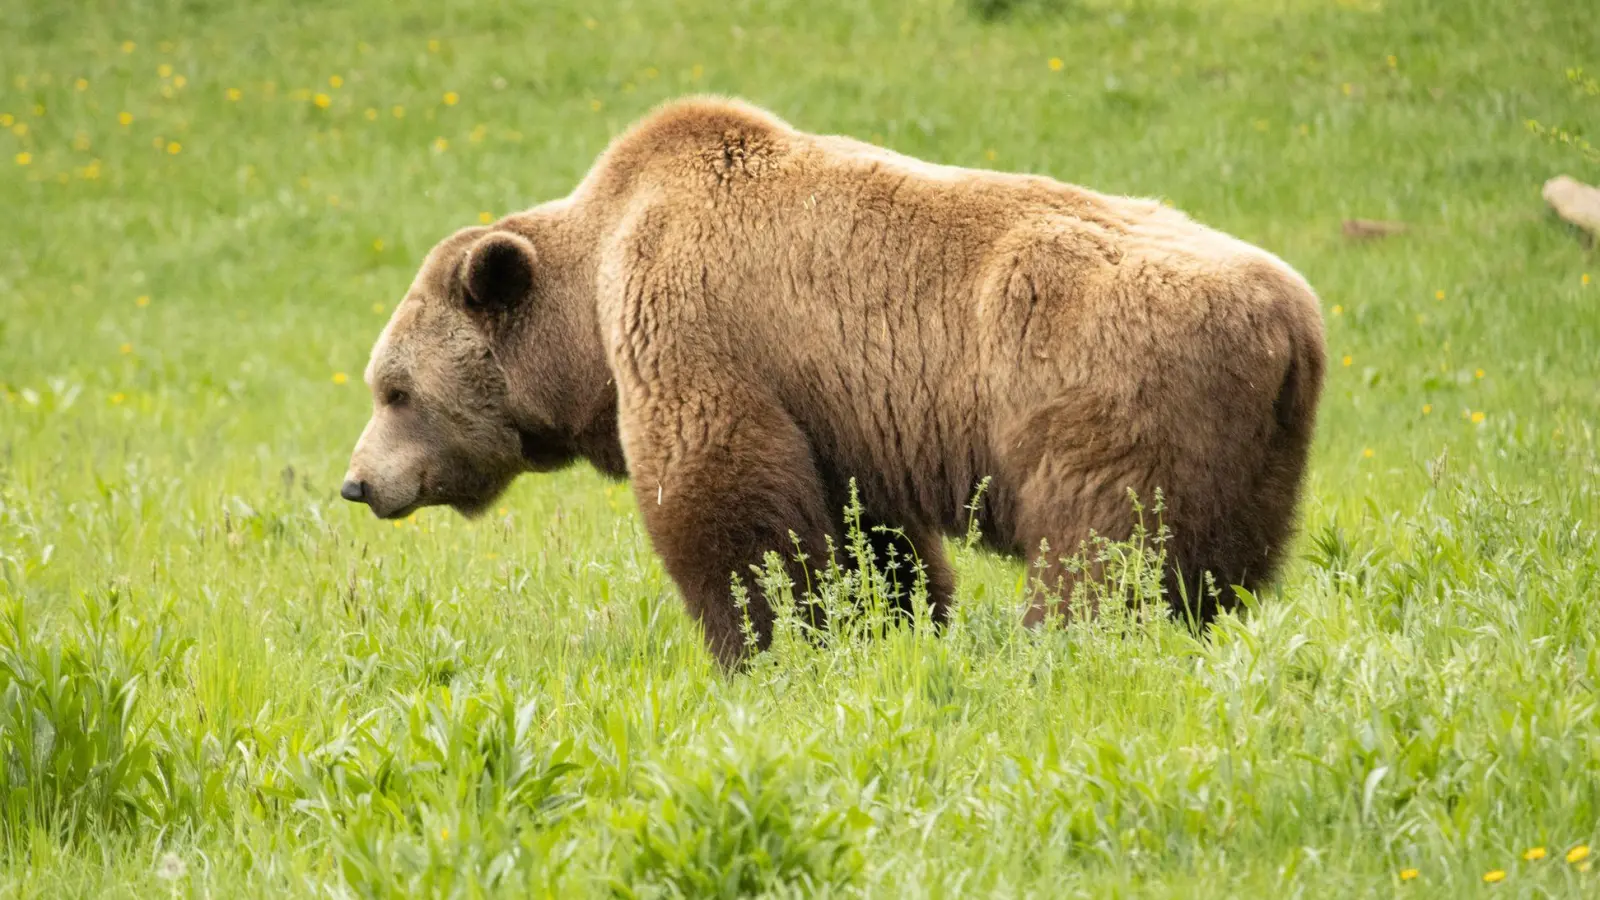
(218, 679)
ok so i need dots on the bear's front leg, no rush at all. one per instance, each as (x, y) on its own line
(722, 480)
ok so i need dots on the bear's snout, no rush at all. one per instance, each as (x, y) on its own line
(355, 491)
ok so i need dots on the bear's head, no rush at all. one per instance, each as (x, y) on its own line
(488, 369)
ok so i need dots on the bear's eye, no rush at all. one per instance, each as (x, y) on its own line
(396, 397)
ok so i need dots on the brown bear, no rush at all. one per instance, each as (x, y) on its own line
(743, 318)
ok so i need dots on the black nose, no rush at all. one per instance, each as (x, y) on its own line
(354, 491)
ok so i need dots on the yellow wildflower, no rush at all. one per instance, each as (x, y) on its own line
(20, 129)
(1478, 373)
(451, 98)
(595, 105)
(125, 118)
(651, 72)
(485, 217)
(1338, 310)
(1393, 62)
(125, 349)
(80, 141)
(1347, 360)
(590, 24)
(234, 94)
(1477, 418)
(335, 81)
(440, 144)
(1578, 853)
(24, 158)
(378, 245)
(6, 119)
(1408, 874)
(164, 70)
(180, 81)
(433, 45)
(128, 46)
(1427, 408)
(117, 398)
(1585, 278)
(1494, 875)
(142, 301)
(81, 84)
(1533, 854)
(1367, 453)
(371, 114)
(695, 71)
(323, 101)
(174, 148)
(340, 378)
(1438, 295)
(1348, 88)
(377, 308)
(444, 833)
(1056, 64)
(399, 112)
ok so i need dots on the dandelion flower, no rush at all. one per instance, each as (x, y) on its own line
(1477, 418)
(377, 308)
(80, 141)
(695, 71)
(180, 81)
(451, 98)
(164, 70)
(1338, 310)
(1408, 874)
(117, 398)
(371, 114)
(378, 245)
(128, 46)
(142, 301)
(444, 834)
(323, 101)
(1494, 875)
(1056, 64)
(1427, 408)
(1578, 853)
(433, 45)
(125, 349)
(24, 158)
(485, 217)
(171, 867)
(502, 510)
(990, 155)
(1393, 63)
(595, 105)
(335, 81)
(174, 148)
(6, 119)
(82, 84)
(1585, 278)
(1478, 373)
(234, 94)
(1261, 124)
(340, 378)
(20, 129)
(399, 112)
(590, 24)
(125, 118)
(440, 144)
(1533, 854)
(1347, 360)
(1367, 453)
(1438, 295)
(651, 72)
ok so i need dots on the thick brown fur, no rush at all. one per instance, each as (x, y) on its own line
(745, 317)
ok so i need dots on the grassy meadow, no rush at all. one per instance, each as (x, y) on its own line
(217, 679)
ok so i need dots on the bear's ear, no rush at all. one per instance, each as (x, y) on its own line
(498, 274)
